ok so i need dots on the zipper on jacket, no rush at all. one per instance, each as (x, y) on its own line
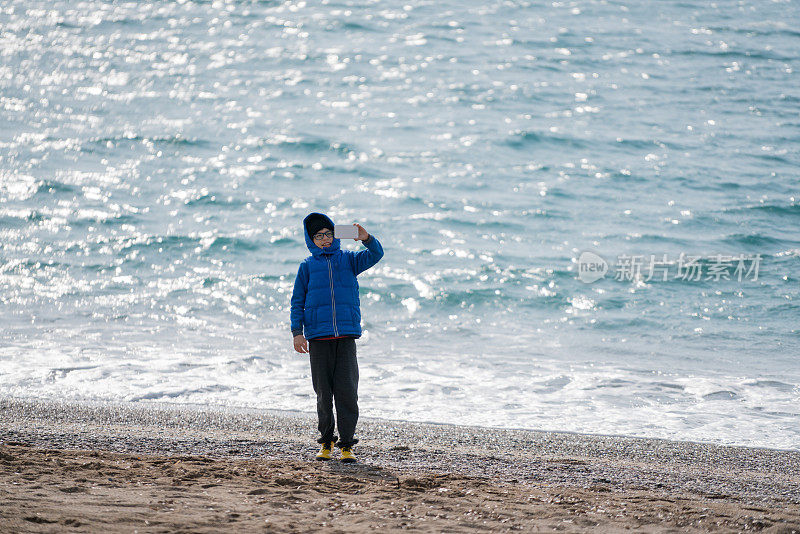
(333, 301)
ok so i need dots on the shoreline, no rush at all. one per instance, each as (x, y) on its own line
(538, 479)
(248, 410)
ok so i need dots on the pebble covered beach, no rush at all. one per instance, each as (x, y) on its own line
(159, 467)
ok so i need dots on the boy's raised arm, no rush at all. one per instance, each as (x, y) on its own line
(365, 259)
(299, 299)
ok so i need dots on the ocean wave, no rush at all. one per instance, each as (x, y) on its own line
(167, 140)
(729, 54)
(215, 199)
(528, 139)
(179, 393)
(85, 218)
(788, 210)
(755, 239)
(653, 238)
(775, 158)
(20, 218)
(722, 395)
(771, 384)
(56, 187)
(751, 31)
(308, 144)
(199, 244)
(352, 25)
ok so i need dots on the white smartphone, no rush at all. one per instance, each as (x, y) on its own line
(345, 231)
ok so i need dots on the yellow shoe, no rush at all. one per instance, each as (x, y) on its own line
(347, 455)
(325, 452)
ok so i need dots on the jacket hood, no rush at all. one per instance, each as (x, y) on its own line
(314, 249)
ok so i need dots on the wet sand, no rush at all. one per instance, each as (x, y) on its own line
(89, 467)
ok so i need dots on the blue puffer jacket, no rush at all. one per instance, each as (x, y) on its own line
(325, 299)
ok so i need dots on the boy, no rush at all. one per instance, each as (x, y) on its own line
(326, 305)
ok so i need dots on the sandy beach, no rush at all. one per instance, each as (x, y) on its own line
(89, 467)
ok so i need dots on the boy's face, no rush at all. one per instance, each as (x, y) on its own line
(323, 238)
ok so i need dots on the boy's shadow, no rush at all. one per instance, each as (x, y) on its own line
(360, 471)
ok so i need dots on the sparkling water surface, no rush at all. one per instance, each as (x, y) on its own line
(157, 159)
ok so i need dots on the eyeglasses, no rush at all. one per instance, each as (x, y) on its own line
(322, 235)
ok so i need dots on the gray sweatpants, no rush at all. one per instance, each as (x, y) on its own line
(334, 373)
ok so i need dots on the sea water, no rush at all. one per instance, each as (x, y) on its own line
(589, 209)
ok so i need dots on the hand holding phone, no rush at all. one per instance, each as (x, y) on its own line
(345, 231)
